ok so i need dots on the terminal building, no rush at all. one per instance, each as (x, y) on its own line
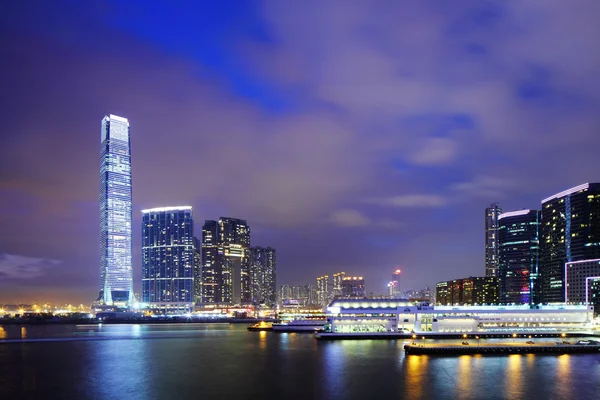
(385, 316)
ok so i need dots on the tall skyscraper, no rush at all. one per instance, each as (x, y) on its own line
(337, 284)
(226, 262)
(197, 270)
(570, 232)
(323, 290)
(518, 244)
(491, 239)
(263, 275)
(395, 284)
(168, 258)
(116, 277)
(353, 286)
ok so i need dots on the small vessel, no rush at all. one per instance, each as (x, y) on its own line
(261, 326)
(301, 325)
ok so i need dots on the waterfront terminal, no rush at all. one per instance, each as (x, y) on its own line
(389, 319)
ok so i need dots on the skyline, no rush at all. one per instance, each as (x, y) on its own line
(361, 146)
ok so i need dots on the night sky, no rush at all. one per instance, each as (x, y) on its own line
(351, 135)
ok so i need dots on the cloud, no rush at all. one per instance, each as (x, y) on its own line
(350, 218)
(486, 187)
(411, 201)
(435, 151)
(22, 267)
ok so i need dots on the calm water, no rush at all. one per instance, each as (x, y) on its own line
(226, 361)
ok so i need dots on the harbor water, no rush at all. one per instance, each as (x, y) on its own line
(214, 361)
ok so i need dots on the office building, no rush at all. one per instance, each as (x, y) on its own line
(468, 291)
(337, 284)
(197, 270)
(518, 245)
(323, 290)
(394, 285)
(353, 286)
(168, 254)
(263, 276)
(491, 239)
(116, 277)
(226, 262)
(570, 231)
(581, 279)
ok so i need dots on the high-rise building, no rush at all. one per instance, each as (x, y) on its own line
(168, 258)
(337, 284)
(395, 285)
(323, 290)
(116, 277)
(570, 232)
(263, 278)
(226, 262)
(580, 281)
(491, 239)
(197, 270)
(353, 286)
(518, 244)
(468, 291)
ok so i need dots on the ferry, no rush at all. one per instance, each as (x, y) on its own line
(301, 325)
(261, 326)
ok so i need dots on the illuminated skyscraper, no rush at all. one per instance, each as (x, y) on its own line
(263, 275)
(168, 258)
(395, 285)
(570, 232)
(337, 284)
(116, 279)
(353, 287)
(323, 290)
(519, 245)
(491, 239)
(226, 262)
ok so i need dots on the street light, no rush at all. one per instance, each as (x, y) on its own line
(477, 337)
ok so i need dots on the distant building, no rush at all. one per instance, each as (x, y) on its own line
(197, 270)
(116, 276)
(468, 291)
(323, 290)
(168, 258)
(491, 239)
(353, 286)
(395, 285)
(337, 284)
(581, 279)
(519, 246)
(303, 295)
(226, 262)
(263, 275)
(570, 232)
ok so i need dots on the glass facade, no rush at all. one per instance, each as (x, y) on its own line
(168, 255)
(570, 231)
(116, 287)
(226, 262)
(263, 276)
(518, 254)
(467, 291)
(491, 239)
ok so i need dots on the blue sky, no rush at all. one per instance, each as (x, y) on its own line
(361, 137)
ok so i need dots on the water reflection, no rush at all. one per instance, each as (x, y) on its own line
(2, 333)
(262, 337)
(23, 332)
(415, 371)
(513, 381)
(464, 376)
(563, 376)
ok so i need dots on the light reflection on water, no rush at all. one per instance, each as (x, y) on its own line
(227, 361)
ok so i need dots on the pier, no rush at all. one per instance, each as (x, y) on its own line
(546, 348)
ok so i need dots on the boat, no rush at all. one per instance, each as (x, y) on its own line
(300, 325)
(261, 326)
